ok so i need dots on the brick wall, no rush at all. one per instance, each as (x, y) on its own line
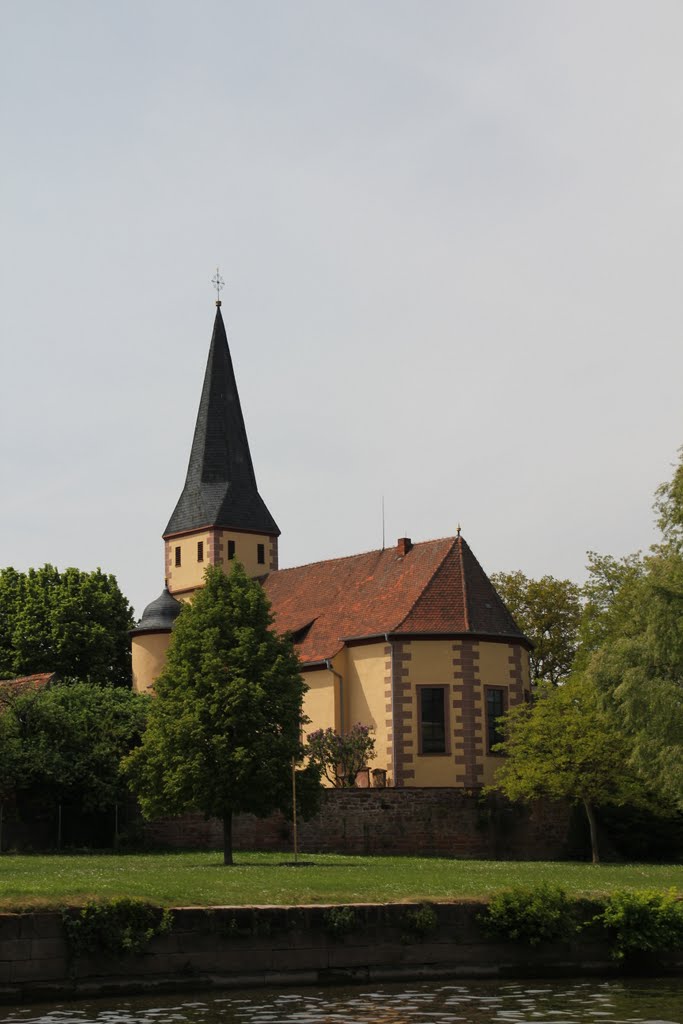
(447, 822)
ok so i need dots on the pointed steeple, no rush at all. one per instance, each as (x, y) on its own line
(220, 488)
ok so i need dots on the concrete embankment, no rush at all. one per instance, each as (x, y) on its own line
(280, 946)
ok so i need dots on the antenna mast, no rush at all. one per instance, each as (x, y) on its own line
(382, 522)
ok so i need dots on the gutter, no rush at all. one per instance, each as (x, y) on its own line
(337, 675)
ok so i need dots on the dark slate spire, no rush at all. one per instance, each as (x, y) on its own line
(220, 488)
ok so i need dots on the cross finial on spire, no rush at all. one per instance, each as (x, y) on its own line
(218, 283)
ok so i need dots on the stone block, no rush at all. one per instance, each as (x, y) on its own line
(15, 949)
(198, 942)
(10, 994)
(10, 927)
(236, 960)
(47, 948)
(430, 953)
(102, 966)
(165, 965)
(51, 969)
(197, 919)
(358, 956)
(277, 979)
(298, 958)
(163, 944)
(41, 926)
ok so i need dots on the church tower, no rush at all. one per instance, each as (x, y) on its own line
(220, 515)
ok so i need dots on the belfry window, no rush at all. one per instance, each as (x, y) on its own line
(200, 550)
(432, 719)
(261, 554)
(177, 556)
(231, 550)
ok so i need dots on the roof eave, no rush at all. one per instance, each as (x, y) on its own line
(435, 634)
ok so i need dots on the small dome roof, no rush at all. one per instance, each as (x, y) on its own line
(160, 614)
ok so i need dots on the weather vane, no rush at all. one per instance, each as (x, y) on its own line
(218, 283)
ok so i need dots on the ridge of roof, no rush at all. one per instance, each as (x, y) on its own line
(220, 487)
(464, 582)
(359, 554)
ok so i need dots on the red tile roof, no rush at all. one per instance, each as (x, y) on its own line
(437, 587)
(38, 681)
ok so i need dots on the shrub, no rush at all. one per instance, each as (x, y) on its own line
(120, 927)
(340, 758)
(339, 921)
(419, 923)
(642, 922)
(532, 915)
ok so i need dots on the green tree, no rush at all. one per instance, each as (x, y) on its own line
(639, 663)
(11, 761)
(11, 585)
(72, 738)
(567, 745)
(340, 758)
(548, 611)
(72, 622)
(224, 727)
(610, 593)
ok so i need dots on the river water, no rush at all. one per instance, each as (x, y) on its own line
(558, 1002)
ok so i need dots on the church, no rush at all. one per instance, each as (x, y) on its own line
(412, 641)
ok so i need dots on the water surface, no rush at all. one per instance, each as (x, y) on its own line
(557, 1002)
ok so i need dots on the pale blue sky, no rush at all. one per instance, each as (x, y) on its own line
(452, 238)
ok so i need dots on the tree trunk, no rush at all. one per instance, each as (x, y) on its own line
(592, 824)
(227, 838)
(2, 809)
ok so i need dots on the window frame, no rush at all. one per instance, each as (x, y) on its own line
(490, 722)
(445, 691)
(232, 548)
(261, 554)
(200, 550)
(177, 558)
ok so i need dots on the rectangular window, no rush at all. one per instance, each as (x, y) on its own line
(261, 554)
(231, 550)
(495, 707)
(432, 719)
(200, 550)
(177, 556)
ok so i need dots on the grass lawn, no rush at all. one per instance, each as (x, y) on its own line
(199, 879)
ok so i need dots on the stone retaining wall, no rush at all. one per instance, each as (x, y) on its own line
(230, 947)
(425, 821)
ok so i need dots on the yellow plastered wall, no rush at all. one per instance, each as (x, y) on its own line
(149, 657)
(364, 673)
(246, 551)
(431, 664)
(321, 701)
(494, 670)
(190, 572)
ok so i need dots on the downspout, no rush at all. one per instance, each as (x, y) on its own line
(393, 710)
(337, 675)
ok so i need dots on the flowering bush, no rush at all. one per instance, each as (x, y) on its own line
(340, 758)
